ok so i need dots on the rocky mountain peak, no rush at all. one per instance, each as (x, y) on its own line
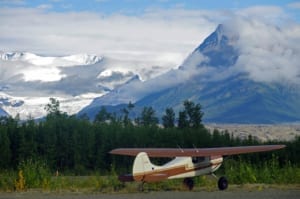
(218, 49)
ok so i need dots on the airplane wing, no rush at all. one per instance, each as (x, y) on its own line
(195, 152)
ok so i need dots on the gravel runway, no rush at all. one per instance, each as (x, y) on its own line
(231, 194)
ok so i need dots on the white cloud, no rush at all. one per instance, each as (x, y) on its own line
(268, 52)
(151, 37)
(261, 11)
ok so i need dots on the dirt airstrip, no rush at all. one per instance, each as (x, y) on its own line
(230, 194)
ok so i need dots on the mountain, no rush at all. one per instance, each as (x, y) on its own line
(213, 76)
(27, 80)
(3, 113)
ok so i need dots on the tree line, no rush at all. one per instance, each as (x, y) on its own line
(79, 146)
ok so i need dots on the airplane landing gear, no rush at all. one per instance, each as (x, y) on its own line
(141, 186)
(222, 183)
(189, 183)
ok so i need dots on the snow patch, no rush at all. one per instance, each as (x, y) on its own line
(42, 74)
(72, 60)
(105, 73)
(109, 72)
(83, 59)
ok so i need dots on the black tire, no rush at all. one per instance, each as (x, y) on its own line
(222, 183)
(189, 183)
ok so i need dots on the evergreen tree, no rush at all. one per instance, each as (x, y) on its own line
(5, 152)
(13, 134)
(53, 107)
(30, 145)
(169, 118)
(102, 116)
(182, 120)
(148, 117)
(191, 116)
(126, 112)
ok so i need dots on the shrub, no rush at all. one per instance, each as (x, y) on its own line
(7, 180)
(20, 182)
(36, 174)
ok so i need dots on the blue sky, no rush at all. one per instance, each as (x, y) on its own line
(163, 32)
(137, 7)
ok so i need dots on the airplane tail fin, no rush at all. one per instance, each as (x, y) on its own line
(142, 166)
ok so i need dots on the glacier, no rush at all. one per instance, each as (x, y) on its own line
(28, 80)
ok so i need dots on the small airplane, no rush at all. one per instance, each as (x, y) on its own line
(187, 162)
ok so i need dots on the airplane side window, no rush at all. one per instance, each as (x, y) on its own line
(197, 159)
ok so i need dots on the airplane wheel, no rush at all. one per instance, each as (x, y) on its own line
(222, 183)
(189, 183)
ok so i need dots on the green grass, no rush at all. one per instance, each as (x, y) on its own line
(110, 184)
(268, 172)
(35, 175)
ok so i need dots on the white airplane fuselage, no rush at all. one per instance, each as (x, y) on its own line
(180, 167)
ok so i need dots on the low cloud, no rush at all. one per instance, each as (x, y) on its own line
(268, 52)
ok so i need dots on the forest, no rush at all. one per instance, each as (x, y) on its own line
(75, 145)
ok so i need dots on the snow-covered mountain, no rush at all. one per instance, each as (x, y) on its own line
(27, 80)
(217, 75)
